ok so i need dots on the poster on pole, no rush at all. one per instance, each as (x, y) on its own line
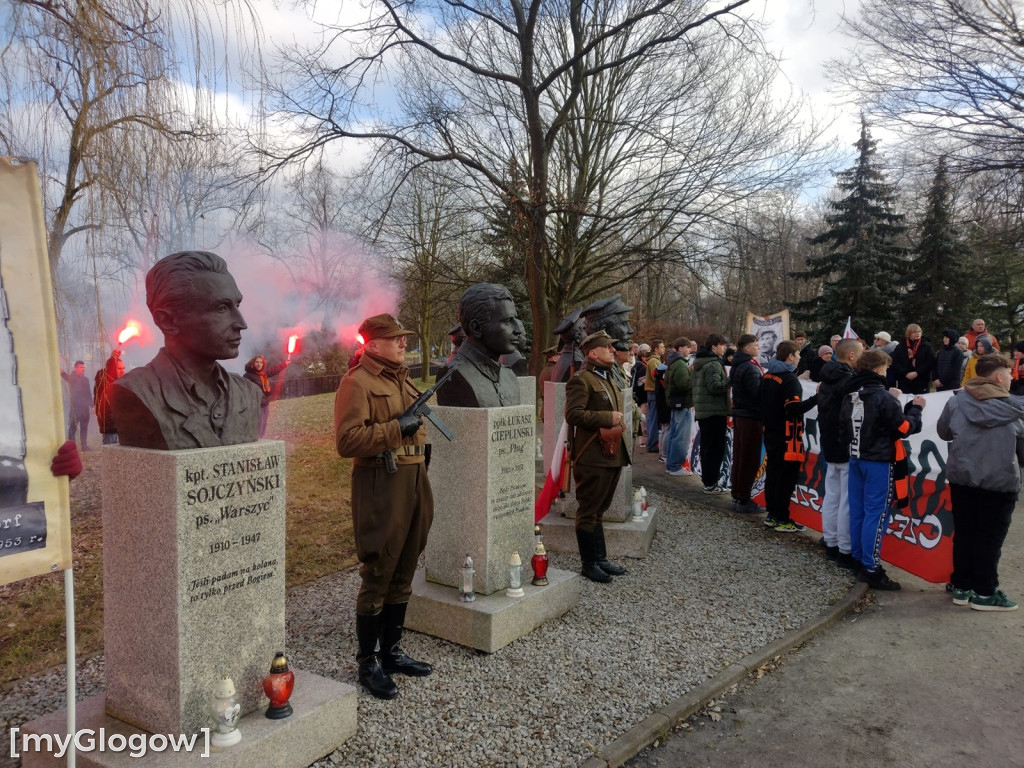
(35, 520)
(770, 330)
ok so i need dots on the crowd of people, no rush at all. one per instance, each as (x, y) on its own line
(862, 428)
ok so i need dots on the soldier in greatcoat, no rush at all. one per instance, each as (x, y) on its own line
(391, 511)
(594, 401)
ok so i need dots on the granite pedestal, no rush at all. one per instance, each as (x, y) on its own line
(483, 485)
(621, 508)
(193, 578)
(493, 621)
(324, 718)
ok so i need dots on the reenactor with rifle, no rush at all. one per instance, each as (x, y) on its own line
(378, 423)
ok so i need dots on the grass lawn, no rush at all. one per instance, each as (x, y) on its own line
(318, 530)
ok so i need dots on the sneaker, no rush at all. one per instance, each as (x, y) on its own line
(661, 459)
(770, 521)
(961, 596)
(715, 489)
(880, 580)
(847, 561)
(677, 472)
(997, 602)
(788, 527)
(748, 507)
(832, 553)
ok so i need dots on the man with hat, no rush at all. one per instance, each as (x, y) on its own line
(391, 511)
(593, 402)
(884, 342)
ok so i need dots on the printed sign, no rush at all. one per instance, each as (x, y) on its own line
(770, 330)
(35, 526)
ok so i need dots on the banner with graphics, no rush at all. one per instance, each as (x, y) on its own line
(35, 529)
(919, 539)
(770, 330)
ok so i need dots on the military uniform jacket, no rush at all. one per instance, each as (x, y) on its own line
(591, 396)
(367, 405)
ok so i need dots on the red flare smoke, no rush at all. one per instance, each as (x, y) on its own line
(131, 330)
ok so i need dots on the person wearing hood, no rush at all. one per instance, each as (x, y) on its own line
(782, 414)
(1017, 370)
(745, 380)
(256, 371)
(679, 395)
(835, 507)
(983, 346)
(711, 407)
(872, 423)
(982, 420)
(949, 362)
(913, 362)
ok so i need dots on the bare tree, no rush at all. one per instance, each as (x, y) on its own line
(495, 89)
(949, 73)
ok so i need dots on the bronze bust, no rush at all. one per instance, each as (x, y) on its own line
(183, 398)
(570, 332)
(488, 317)
(611, 315)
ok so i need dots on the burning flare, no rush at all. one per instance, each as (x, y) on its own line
(360, 339)
(292, 341)
(131, 330)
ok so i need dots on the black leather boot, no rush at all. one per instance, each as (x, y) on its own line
(585, 541)
(392, 657)
(601, 554)
(371, 675)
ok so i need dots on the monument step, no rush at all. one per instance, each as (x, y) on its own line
(631, 538)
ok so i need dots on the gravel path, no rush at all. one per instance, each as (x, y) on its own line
(713, 589)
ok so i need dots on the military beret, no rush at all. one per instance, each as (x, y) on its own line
(595, 340)
(382, 327)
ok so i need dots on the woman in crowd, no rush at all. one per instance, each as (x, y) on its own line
(913, 362)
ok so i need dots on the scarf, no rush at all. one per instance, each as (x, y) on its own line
(912, 351)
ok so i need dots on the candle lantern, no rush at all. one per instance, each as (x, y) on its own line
(278, 685)
(515, 576)
(638, 504)
(466, 593)
(539, 561)
(226, 712)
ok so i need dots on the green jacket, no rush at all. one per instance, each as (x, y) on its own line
(678, 385)
(710, 385)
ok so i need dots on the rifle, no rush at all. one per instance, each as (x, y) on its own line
(420, 407)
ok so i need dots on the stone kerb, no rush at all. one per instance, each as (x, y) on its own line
(483, 484)
(621, 509)
(194, 578)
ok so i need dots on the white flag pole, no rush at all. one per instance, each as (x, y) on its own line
(69, 620)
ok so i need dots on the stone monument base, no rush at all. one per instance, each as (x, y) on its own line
(491, 621)
(324, 718)
(629, 539)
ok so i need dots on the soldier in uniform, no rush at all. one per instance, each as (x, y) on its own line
(593, 401)
(391, 512)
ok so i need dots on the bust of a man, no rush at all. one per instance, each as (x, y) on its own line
(183, 398)
(611, 315)
(570, 333)
(488, 317)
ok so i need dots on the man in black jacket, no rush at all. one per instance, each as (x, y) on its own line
(745, 380)
(949, 362)
(835, 507)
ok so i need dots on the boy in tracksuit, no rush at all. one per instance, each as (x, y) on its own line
(782, 414)
(874, 425)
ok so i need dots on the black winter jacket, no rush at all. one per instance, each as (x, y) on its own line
(782, 410)
(835, 382)
(923, 362)
(871, 419)
(949, 363)
(745, 379)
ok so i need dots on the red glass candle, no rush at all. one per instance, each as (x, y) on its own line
(278, 686)
(539, 561)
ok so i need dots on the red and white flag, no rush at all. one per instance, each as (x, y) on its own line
(553, 481)
(849, 333)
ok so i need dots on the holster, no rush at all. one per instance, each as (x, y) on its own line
(610, 438)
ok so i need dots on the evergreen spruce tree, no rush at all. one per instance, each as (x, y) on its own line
(939, 297)
(864, 268)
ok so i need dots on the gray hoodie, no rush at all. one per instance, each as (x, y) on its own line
(986, 427)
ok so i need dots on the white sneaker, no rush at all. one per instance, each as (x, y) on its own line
(678, 472)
